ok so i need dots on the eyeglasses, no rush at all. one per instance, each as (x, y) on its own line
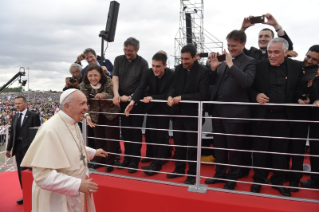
(128, 51)
(313, 59)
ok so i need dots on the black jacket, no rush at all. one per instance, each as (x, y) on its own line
(148, 84)
(232, 85)
(261, 85)
(194, 87)
(31, 119)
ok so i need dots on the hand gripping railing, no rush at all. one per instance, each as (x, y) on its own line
(198, 187)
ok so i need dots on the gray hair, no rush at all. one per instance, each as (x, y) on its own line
(133, 42)
(77, 66)
(285, 43)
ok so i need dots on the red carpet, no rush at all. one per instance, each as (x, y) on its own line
(10, 192)
(117, 194)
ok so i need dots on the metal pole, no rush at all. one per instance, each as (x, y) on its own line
(28, 86)
(198, 187)
(84, 131)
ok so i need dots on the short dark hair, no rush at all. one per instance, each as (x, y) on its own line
(103, 79)
(237, 35)
(89, 50)
(314, 48)
(160, 57)
(267, 29)
(21, 97)
(190, 48)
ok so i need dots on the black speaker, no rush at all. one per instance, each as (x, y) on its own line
(112, 21)
(188, 28)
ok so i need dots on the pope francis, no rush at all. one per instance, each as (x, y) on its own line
(59, 159)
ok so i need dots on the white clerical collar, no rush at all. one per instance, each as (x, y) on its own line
(69, 119)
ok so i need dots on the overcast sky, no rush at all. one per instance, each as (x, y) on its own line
(46, 36)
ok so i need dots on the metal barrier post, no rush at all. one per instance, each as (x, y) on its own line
(84, 131)
(198, 187)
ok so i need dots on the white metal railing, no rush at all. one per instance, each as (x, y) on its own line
(199, 187)
(4, 131)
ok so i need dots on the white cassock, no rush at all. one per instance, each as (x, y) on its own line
(58, 170)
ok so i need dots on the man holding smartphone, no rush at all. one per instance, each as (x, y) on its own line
(265, 35)
(231, 78)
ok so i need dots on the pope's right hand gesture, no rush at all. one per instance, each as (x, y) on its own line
(87, 186)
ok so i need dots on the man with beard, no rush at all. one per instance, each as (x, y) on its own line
(307, 94)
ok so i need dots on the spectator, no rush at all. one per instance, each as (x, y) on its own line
(99, 86)
(275, 82)
(76, 79)
(127, 74)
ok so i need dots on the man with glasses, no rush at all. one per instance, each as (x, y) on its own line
(300, 129)
(127, 74)
(92, 59)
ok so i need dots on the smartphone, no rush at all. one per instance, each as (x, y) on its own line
(203, 54)
(83, 56)
(257, 19)
(221, 58)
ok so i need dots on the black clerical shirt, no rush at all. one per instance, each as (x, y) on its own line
(277, 86)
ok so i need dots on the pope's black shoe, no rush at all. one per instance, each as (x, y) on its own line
(283, 191)
(310, 183)
(255, 188)
(20, 201)
(230, 185)
(125, 163)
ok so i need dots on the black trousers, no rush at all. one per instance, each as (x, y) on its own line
(299, 130)
(231, 142)
(247, 145)
(314, 148)
(274, 129)
(129, 134)
(107, 133)
(19, 155)
(159, 137)
(185, 139)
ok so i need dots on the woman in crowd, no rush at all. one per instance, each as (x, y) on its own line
(97, 86)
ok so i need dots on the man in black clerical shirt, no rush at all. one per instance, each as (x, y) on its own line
(275, 82)
(157, 81)
(190, 83)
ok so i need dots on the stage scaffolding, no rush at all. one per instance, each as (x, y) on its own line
(191, 30)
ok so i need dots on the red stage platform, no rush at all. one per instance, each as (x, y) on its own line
(118, 194)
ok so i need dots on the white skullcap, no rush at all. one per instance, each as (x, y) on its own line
(66, 93)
